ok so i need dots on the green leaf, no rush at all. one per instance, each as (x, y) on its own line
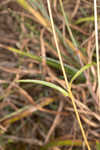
(61, 143)
(58, 88)
(86, 19)
(80, 71)
(97, 145)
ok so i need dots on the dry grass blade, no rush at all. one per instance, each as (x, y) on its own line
(47, 25)
(21, 113)
(97, 49)
(55, 122)
(38, 16)
(37, 105)
(65, 77)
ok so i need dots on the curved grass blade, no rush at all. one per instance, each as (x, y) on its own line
(58, 88)
(80, 71)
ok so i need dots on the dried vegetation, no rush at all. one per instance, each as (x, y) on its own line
(44, 118)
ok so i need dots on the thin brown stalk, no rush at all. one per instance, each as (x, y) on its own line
(65, 77)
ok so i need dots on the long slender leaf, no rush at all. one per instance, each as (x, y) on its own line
(58, 88)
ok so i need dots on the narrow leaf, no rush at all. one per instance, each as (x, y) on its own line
(58, 88)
